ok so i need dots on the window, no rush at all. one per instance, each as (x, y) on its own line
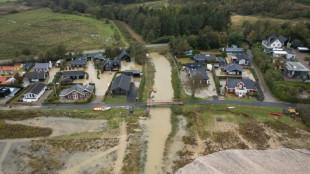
(75, 95)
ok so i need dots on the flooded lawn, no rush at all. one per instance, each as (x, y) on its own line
(158, 129)
(162, 78)
(101, 84)
(130, 66)
(52, 73)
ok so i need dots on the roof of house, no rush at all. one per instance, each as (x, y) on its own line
(193, 65)
(41, 66)
(221, 59)
(203, 57)
(303, 48)
(79, 88)
(232, 67)
(112, 62)
(7, 68)
(17, 64)
(36, 88)
(36, 75)
(132, 71)
(10, 80)
(73, 73)
(233, 48)
(3, 79)
(122, 81)
(99, 56)
(79, 61)
(273, 38)
(296, 66)
(289, 51)
(28, 65)
(201, 71)
(248, 83)
(122, 54)
(241, 56)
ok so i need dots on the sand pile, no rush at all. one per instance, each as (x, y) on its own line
(251, 161)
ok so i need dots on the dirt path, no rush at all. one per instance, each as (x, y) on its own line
(86, 162)
(121, 149)
(133, 33)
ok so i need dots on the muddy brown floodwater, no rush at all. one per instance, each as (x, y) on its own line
(158, 126)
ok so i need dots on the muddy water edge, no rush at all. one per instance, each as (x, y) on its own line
(158, 126)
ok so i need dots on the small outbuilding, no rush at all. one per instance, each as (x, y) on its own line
(124, 56)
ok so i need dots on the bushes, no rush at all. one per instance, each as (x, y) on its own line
(304, 112)
(217, 82)
(253, 71)
(176, 83)
(307, 58)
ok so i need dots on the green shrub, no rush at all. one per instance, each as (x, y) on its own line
(304, 112)
(307, 58)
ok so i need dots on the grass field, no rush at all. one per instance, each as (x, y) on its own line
(237, 20)
(7, 1)
(40, 30)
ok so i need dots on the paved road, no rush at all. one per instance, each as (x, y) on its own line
(268, 96)
(143, 105)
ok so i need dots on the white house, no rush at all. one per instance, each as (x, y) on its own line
(240, 87)
(34, 92)
(288, 54)
(274, 42)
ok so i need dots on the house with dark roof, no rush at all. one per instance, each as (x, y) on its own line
(77, 92)
(111, 64)
(221, 61)
(232, 69)
(120, 85)
(275, 42)
(296, 70)
(36, 76)
(34, 92)
(73, 75)
(41, 67)
(4, 91)
(79, 62)
(196, 68)
(241, 59)
(96, 57)
(204, 58)
(124, 56)
(240, 87)
(134, 73)
(232, 50)
(27, 66)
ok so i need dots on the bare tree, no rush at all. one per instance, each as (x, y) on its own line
(195, 83)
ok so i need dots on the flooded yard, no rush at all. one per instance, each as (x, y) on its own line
(52, 73)
(130, 66)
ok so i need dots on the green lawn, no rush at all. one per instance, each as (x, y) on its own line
(1, 1)
(41, 29)
(114, 100)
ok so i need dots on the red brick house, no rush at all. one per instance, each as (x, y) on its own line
(77, 92)
(240, 87)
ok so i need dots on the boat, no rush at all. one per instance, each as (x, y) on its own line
(101, 108)
(277, 114)
(154, 89)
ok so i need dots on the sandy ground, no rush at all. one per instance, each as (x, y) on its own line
(162, 78)
(248, 74)
(130, 66)
(52, 73)
(133, 33)
(121, 149)
(251, 161)
(64, 125)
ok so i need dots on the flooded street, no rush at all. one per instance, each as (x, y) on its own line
(130, 66)
(158, 126)
(158, 129)
(102, 84)
(162, 78)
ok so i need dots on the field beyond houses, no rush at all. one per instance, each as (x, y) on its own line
(40, 30)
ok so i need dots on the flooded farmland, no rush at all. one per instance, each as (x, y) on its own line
(158, 126)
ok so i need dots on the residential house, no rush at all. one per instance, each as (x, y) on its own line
(7, 70)
(73, 75)
(111, 64)
(196, 68)
(296, 70)
(36, 76)
(241, 59)
(58, 62)
(3, 79)
(100, 57)
(232, 69)
(232, 50)
(6, 80)
(124, 56)
(240, 87)
(288, 54)
(27, 66)
(134, 73)
(77, 92)
(4, 91)
(303, 49)
(275, 42)
(41, 67)
(120, 85)
(189, 52)
(79, 62)
(18, 66)
(222, 61)
(204, 58)
(34, 92)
